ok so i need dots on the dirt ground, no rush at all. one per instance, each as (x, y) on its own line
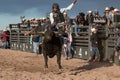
(18, 65)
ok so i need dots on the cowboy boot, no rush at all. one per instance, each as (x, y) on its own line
(90, 59)
(97, 58)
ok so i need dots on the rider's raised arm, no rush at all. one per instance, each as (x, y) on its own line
(69, 7)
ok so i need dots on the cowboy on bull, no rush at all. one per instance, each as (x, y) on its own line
(56, 16)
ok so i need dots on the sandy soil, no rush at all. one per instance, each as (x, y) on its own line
(17, 65)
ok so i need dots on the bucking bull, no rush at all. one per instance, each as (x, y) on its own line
(52, 45)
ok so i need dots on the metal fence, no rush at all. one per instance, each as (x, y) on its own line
(111, 43)
(18, 41)
(81, 43)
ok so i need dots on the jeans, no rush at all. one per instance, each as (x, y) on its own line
(35, 47)
(75, 29)
(95, 51)
(68, 50)
(5, 44)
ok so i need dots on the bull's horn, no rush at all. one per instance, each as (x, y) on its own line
(56, 32)
(41, 32)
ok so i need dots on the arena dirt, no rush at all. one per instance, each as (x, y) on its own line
(18, 65)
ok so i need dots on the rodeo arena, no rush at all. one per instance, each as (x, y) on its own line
(85, 47)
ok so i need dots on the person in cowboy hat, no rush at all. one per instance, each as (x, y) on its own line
(94, 44)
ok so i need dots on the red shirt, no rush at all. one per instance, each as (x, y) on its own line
(4, 35)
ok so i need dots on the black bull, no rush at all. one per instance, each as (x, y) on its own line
(52, 45)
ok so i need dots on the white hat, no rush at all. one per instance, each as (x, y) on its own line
(33, 19)
(43, 18)
(23, 19)
(93, 29)
(4, 29)
(38, 19)
(89, 11)
(107, 8)
(116, 10)
(64, 13)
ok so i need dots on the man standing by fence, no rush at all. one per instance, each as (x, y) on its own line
(5, 39)
(94, 42)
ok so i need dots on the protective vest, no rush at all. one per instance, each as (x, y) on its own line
(58, 17)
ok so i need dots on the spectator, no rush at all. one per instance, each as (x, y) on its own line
(70, 48)
(66, 44)
(35, 40)
(111, 13)
(75, 25)
(117, 48)
(5, 39)
(66, 17)
(89, 18)
(94, 42)
(96, 13)
(107, 16)
(116, 18)
(81, 19)
(116, 11)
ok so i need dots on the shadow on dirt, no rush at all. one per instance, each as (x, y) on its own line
(90, 66)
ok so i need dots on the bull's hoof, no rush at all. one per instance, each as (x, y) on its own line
(46, 70)
(61, 70)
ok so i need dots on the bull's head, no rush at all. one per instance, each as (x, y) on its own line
(49, 34)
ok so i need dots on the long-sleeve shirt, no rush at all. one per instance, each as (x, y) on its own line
(61, 10)
(93, 40)
(5, 36)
